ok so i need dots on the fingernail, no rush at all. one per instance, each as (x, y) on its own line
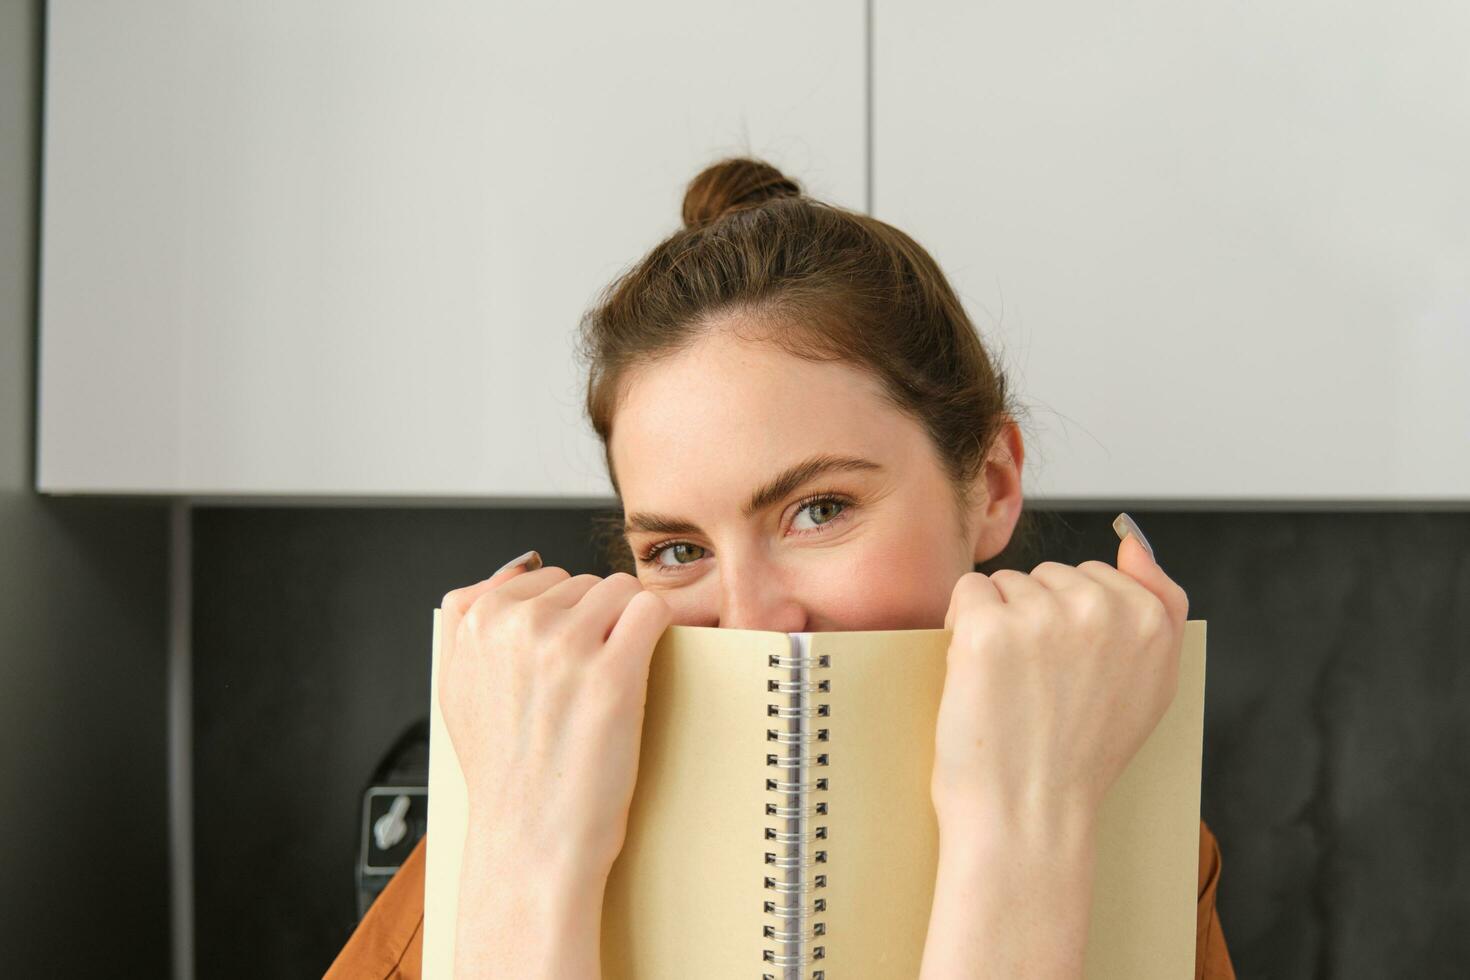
(1125, 525)
(530, 559)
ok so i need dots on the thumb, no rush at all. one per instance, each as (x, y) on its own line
(1136, 560)
(1140, 556)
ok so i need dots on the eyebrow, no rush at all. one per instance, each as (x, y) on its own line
(772, 492)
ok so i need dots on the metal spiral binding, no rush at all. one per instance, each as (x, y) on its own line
(797, 856)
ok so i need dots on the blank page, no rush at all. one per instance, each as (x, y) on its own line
(883, 843)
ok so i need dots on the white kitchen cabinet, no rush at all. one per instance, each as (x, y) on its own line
(1224, 249)
(341, 248)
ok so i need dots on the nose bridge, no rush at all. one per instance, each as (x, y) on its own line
(754, 595)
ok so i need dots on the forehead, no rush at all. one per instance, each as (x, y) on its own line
(714, 420)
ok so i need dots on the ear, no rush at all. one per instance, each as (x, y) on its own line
(996, 494)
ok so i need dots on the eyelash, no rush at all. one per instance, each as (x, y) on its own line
(650, 554)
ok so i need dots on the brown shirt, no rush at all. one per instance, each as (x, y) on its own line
(389, 942)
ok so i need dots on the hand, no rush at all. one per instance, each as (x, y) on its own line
(1055, 679)
(543, 681)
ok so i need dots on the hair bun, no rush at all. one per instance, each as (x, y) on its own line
(732, 185)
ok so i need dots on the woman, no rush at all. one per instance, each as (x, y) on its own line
(805, 433)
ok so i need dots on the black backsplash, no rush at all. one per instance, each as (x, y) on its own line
(1337, 733)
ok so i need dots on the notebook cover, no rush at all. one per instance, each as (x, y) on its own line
(685, 895)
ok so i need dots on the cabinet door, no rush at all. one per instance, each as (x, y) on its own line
(1223, 249)
(342, 248)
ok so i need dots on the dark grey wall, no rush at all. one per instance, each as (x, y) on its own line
(311, 655)
(84, 859)
(1337, 775)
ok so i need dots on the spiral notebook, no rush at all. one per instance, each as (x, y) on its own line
(781, 825)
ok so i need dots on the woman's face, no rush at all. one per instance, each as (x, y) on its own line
(764, 491)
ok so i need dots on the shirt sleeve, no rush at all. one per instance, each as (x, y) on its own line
(1211, 958)
(388, 943)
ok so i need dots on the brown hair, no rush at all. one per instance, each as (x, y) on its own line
(819, 281)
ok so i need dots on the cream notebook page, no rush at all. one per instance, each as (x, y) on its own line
(883, 846)
(686, 895)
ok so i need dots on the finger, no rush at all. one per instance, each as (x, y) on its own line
(604, 603)
(511, 589)
(457, 602)
(528, 585)
(637, 631)
(1108, 576)
(974, 590)
(1014, 585)
(1057, 576)
(1126, 527)
(1115, 581)
(1136, 560)
(568, 593)
(510, 578)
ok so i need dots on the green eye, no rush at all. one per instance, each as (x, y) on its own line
(682, 552)
(822, 510)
